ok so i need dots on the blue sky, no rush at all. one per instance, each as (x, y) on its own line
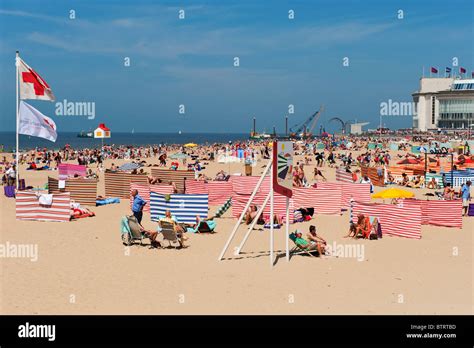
(190, 61)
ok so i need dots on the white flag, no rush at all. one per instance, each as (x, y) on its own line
(34, 123)
(32, 85)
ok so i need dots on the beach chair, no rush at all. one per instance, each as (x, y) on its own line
(375, 229)
(131, 230)
(299, 249)
(169, 233)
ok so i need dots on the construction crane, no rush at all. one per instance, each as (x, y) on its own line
(302, 130)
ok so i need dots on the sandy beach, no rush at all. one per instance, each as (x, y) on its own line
(83, 268)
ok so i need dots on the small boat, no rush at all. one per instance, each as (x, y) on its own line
(259, 136)
(83, 134)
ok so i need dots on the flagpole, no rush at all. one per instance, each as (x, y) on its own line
(17, 125)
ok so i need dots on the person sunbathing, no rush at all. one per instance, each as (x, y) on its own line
(405, 180)
(419, 181)
(220, 176)
(152, 180)
(357, 228)
(448, 192)
(178, 228)
(313, 238)
(303, 244)
(251, 214)
(390, 178)
(432, 184)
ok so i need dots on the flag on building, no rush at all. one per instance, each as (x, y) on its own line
(32, 85)
(447, 71)
(462, 70)
(434, 70)
(34, 123)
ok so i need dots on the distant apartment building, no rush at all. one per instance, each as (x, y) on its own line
(444, 102)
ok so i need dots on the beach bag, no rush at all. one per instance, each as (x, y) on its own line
(21, 185)
(9, 191)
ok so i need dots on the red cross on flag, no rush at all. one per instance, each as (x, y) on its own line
(32, 86)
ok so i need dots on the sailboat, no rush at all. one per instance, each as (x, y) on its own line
(133, 130)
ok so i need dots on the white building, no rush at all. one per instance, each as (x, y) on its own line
(446, 103)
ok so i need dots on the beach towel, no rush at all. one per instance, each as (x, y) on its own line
(124, 227)
(106, 201)
(45, 199)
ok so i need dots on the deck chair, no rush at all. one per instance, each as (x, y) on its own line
(299, 249)
(374, 228)
(169, 233)
(131, 230)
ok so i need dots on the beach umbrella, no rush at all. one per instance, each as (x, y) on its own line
(190, 145)
(178, 156)
(393, 193)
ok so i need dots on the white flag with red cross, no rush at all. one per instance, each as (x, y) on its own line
(32, 85)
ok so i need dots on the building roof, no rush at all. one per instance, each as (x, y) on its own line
(103, 127)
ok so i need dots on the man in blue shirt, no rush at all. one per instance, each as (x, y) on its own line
(466, 196)
(137, 206)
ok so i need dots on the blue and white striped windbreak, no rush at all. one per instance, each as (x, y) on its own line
(184, 208)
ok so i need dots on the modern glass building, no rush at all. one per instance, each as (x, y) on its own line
(445, 103)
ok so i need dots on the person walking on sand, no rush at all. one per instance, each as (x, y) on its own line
(466, 196)
(137, 206)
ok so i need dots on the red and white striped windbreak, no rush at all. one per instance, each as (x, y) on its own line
(246, 184)
(394, 220)
(358, 192)
(28, 207)
(196, 187)
(162, 189)
(438, 213)
(342, 175)
(325, 199)
(219, 192)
